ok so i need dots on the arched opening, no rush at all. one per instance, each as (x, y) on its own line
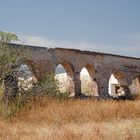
(135, 86)
(113, 85)
(64, 74)
(26, 78)
(88, 82)
(115, 81)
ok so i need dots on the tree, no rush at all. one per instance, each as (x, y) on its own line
(7, 37)
(9, 60)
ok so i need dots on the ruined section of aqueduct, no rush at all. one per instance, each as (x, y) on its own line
(100, 66)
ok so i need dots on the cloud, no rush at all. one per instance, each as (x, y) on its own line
(127, 50)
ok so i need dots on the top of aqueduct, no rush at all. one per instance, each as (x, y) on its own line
(33, 47)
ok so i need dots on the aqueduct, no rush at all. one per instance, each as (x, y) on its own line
(100, 66)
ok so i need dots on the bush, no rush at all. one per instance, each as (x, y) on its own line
(46, 87)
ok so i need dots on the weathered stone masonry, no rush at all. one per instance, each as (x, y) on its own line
(99, 65)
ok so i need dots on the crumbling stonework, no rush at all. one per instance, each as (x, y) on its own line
(100, 66)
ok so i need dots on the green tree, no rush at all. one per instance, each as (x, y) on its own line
(9, 60)
(7, 37)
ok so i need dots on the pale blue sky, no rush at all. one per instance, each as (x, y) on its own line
(111, 26)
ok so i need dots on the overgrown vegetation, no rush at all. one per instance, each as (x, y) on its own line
(45, 88)
(9, 61)
(11, 98)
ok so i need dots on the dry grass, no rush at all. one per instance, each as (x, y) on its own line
(70, 119)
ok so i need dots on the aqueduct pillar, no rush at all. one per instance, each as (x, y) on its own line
(77, 83)
(102, 81)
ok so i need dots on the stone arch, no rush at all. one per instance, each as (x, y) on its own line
(117, 79)
(31, 66)
(26, 76)
(135, 86)
(12, 82)
(66, 80)
(88, 80)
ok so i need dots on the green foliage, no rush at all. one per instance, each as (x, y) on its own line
(7, 37)
(8, 57)
(9, 62)
(48, 86)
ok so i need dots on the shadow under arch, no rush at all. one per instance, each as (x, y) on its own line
(88, 80)
(65, 78)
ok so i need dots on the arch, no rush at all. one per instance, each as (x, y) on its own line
(31, 66)
(88, 81)
(26, 78)
(65, 75)
(135, 86)
(115, 81)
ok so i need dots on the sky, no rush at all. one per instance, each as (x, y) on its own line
(110, 26)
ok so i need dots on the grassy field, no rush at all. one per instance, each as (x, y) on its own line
(70, 119)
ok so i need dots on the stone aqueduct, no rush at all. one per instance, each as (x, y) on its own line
(100, 66)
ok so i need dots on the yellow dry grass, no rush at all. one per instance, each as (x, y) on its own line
(54, 119)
